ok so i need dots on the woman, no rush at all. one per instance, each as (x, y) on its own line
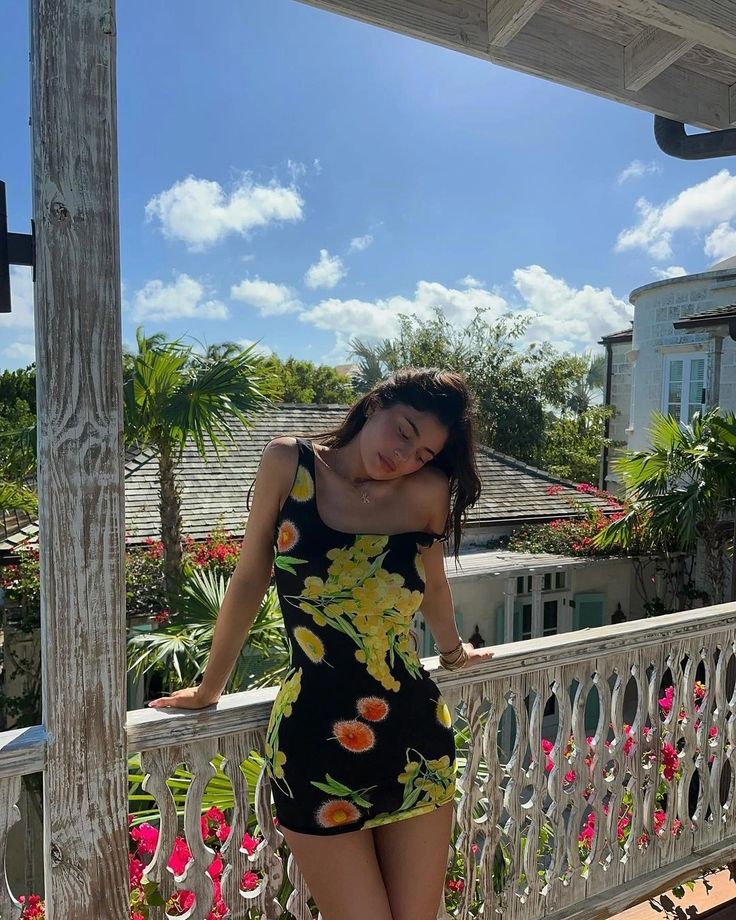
(359, 737)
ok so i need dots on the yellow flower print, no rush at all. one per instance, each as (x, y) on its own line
(303, 488)
(371, 546)
(410, 771)
(310, 643)
(282, 709)
(278, 764)
(443, 714)
(419, 566)
(313, 587)
(409, 602)
(428, 781)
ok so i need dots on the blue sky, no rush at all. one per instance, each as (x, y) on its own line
(297, 178)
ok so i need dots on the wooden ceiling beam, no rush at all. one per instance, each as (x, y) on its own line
(460, 24)
(651, 52)
(706, 22)
(506, 18)
(555, 51)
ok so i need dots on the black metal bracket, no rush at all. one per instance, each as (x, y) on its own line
(672, 139)
(15, 249)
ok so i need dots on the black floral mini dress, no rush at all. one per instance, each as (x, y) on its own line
(359, 734)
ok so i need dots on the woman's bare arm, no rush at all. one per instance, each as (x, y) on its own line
(438, 608)
(250, 579)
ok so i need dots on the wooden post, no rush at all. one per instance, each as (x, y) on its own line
(80, 462)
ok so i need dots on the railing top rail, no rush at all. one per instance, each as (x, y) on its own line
(22, 751)
(237, 712)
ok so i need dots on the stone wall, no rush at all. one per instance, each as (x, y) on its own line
(656, 307)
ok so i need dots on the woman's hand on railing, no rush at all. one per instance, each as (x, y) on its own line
(476, 655)
(188, 698)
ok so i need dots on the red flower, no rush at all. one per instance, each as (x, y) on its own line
(249, 881)
(180, 857)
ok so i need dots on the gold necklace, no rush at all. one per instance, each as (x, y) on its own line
(364, 496)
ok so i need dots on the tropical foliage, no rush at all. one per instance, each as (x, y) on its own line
(681, 490)
(173, 396)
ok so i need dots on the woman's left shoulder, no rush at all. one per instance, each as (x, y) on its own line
(432, 485)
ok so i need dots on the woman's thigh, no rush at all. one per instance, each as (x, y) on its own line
(342, 874)
(412, 855)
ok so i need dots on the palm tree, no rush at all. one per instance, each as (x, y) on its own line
(372, 363)
(589, 386)
(16, 497)
(680, 490)
(173, 396)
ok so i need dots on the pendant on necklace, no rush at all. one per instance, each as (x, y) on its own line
(365, 497)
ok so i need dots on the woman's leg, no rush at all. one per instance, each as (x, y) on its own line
(342, 874)
(413, 858)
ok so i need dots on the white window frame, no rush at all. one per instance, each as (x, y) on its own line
(687, 359)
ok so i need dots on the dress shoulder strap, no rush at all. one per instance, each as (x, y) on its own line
(306, 453)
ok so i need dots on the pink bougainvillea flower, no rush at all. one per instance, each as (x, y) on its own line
(250, 844)
(146, 839)
(180, 857)
(250, 881)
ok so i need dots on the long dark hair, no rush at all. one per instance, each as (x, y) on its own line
(445, 394)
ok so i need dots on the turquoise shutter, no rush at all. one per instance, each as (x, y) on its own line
(589, 611)
(499, 624)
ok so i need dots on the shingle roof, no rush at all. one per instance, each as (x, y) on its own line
(215, 492)
(707, 317)
(623, 335)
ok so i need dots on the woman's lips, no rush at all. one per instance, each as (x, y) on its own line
(386, 464)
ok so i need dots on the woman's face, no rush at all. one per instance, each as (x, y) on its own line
(399, 440)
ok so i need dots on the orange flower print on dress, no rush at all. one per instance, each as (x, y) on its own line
(353, 735)
(372, 708)
(336, 812)
(288, 536)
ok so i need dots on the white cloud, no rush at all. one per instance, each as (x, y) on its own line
(359, 243)
(672, 271)
(268, 298)
(379, 318)
(260, 348)
(21, 300)
(326, 273)
(636, 169)
(721, 242)
(699, 207)
(569, 318)
(471, 282)
(183, 298)
(198, 212)
(25, 351)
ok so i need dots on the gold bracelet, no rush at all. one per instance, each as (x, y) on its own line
(457, 663)
(450, 651)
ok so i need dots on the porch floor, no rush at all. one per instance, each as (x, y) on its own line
(718, 904)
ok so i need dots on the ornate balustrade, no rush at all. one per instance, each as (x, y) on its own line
(595, 769)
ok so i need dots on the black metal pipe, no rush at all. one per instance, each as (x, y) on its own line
(671, 138)
(4, 255)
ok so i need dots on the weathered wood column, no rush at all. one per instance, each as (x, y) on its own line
(80, 464)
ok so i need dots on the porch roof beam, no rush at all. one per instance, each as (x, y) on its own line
(551, 48)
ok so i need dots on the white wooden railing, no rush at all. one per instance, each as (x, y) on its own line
(528, 782)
